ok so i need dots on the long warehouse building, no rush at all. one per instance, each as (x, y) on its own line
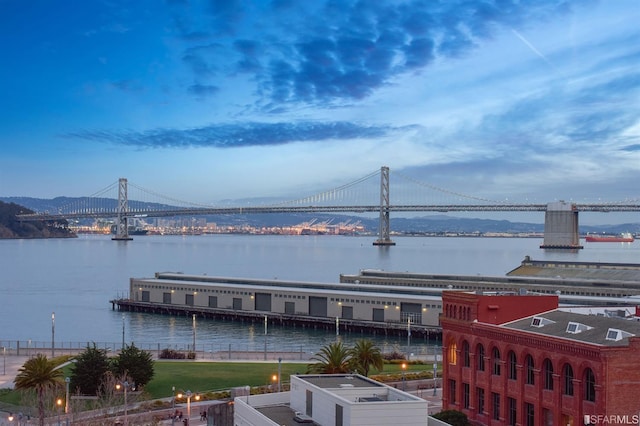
(371, 300)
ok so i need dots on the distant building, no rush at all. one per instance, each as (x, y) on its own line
(516, 359)
(333, 400)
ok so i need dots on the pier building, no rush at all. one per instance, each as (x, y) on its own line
(374, 301)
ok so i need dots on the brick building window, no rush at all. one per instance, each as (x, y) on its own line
(547, 373)
(480, 396)
(452, 391)
(495, 406)
(589, 385)
(528, 365)
(480, 357)
(512, 365)
(529, 413)
(495, 361)
(466, 359)
(465, 396)
(452, 351)
(512, 413)
(567, 376)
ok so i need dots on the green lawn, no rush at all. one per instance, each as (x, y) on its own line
(201, 377)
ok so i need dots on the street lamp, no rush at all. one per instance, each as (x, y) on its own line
(194, 332)
(66, 399)
(53, 334)
(173, 405)
(279, 373)
(404, 367)
(59, 404)
(435, 376)
(124, 386)
(189, 394)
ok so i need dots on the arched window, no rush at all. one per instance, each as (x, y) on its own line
(589, 385)
(466, 359)
(512, 364)
(528, 365)
(480, 357)
(495, 361)
(567, 376)
(547, 372)
(453, 352)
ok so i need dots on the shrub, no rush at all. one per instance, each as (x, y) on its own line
(171, 354)
(453, 417)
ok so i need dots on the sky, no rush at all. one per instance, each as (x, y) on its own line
(526, 101)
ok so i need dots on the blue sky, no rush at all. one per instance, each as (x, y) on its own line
(208, 100)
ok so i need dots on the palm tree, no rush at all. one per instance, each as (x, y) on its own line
(40, 374)
(332, 359)
(365, 355)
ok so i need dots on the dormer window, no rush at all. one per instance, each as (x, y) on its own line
(614, 334)
(576, 327)
(540, 322)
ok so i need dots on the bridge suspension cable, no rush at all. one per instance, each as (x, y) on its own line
(444, 191)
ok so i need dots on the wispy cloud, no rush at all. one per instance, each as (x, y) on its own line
(237, 135)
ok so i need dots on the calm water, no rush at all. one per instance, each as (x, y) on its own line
(76, 278)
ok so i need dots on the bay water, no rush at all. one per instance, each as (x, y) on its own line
(76, 279)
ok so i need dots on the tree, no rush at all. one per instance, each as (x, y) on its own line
(452, 417)
(40, 374)
(134, 363)
(365, 355)
(333, 358)
(89, 370)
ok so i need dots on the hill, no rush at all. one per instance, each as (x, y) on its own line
(10, 227)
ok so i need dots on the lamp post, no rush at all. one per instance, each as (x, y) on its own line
(189, 394)
(265, 337)
(124, 386)
(66, 399)
(279, 373)
(53, 334)
(4, 360)
(173, 405)
(404, 367)
(194, 332)
(409, 337)
(122, 331)
(59, 404)
(435, 376)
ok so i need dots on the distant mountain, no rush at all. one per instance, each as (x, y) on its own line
(10, 227)
(416, 225)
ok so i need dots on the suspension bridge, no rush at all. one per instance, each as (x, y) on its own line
(369, 194)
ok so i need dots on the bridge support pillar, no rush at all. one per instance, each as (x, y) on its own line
(383, 230)
(122, 227)
(561, 226)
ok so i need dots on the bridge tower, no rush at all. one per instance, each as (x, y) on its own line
(383, 229)
(122, 228)
(561, 226)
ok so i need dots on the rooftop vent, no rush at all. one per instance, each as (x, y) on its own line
(540, 322)
(576, 327)
(614, 334)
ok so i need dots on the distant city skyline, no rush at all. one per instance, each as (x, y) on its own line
(206, 100)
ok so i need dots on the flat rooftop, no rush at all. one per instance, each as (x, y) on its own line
(340, 381)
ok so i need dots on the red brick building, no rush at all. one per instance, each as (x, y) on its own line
(514, 359)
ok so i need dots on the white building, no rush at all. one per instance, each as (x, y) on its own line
(333, 400)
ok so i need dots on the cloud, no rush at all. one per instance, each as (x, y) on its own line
(238, 135)
(328, 53)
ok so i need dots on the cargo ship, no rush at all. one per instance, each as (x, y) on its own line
(607, 238)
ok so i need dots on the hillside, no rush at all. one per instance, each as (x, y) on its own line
(10, 227)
